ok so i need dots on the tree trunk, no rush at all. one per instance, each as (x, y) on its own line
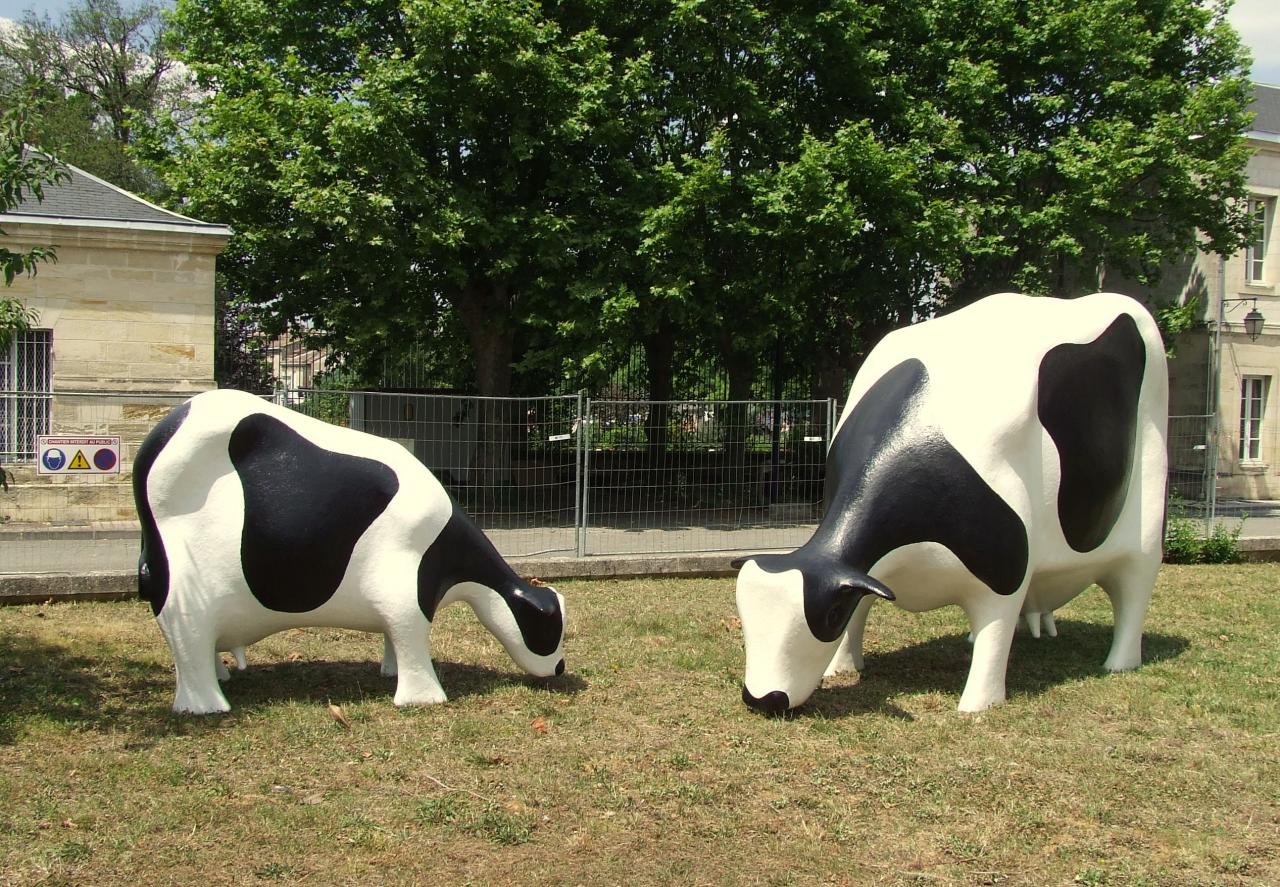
(485, 310)
(659, 352)
(741, 369)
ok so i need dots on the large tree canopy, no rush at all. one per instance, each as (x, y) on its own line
(386, 162)
(1097, 135)
(745, 181)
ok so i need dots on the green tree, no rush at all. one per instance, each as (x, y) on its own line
(23, 175)
(106, 75)
(1095, 137)
(385, 163)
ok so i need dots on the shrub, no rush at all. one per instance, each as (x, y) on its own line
(1186, 543)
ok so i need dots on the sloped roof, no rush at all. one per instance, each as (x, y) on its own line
(87, 198)
(1266, 108)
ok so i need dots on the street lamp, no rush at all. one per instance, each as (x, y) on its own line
(1253, 322)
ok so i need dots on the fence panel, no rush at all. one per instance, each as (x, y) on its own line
(71, 523)
(1190, 442)
(687, 476)
(510, 462)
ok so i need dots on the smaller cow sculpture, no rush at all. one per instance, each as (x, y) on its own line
(1002, 458)
(256, 519)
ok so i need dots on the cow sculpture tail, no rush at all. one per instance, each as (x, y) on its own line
(153, 563)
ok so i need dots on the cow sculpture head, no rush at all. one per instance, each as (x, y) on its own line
(528, 619)
(794, 609)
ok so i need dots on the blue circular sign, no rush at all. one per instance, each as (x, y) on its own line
(54, 459)
(104, 459)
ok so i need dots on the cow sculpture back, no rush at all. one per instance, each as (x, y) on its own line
(256, 519)
(1002, 458)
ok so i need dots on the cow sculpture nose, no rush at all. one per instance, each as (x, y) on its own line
(772, 703)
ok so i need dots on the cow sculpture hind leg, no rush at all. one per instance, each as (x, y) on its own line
(1129, 589)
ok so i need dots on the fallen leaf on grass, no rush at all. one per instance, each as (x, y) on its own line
(336, 711)
(67, 823)
(539, 725)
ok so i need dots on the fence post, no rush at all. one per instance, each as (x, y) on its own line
(584, 473)
(831, 422)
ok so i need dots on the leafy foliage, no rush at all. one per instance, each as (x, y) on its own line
(105, 74)
(1186, 542)
(756, 183)
(23, 175)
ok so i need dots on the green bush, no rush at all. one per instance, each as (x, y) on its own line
(1185, 542)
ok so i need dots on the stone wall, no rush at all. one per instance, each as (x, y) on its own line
(131, 311)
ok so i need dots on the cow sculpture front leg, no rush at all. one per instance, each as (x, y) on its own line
(994, 619)
(848, 656)
(192, 644)
(409, 640)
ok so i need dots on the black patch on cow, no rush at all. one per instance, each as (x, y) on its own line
(462, 553)
(1088, 402)
(893, 481)
(305, 508)
(153, 562)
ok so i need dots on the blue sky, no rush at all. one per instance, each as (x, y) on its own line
(1258, 22)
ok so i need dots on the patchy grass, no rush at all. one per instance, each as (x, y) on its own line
(641, 765)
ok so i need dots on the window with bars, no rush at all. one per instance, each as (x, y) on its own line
(1253, 401)
(26, 385)
(1255, 256)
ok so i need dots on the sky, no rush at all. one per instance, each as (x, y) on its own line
(1257, 21)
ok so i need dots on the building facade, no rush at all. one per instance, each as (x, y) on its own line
(1222, 377)
(124, 329)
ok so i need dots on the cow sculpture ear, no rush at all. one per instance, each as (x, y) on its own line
(865, 585)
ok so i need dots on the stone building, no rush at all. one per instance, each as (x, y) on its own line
(124, 331)
(1222, 368)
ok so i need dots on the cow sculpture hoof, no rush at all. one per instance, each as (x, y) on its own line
(1002, 458)
(257, 519)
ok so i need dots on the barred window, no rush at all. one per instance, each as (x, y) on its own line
(26, 384)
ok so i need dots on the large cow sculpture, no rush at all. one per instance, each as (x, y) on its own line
(257, 519)
(1002, 458)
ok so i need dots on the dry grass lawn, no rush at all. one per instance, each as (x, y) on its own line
(641, 765)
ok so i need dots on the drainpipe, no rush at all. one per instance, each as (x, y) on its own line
(1215, 397)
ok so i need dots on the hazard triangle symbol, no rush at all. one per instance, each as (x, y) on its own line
(79, 463)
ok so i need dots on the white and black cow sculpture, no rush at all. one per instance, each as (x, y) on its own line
(256, 519)
(1002, 458)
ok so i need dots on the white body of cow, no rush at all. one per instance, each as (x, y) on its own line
(343, 529)
(993, 387)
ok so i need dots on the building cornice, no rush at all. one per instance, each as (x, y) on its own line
(61, 231)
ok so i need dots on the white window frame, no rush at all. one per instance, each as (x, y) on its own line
(1253, 413)
(1261, 213)
(26, 394)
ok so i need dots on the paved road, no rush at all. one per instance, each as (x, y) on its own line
(110, 548)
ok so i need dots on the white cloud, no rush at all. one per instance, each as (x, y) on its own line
(1258, 23)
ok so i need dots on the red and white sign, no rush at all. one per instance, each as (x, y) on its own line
(77, 455)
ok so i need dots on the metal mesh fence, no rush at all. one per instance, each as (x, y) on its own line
(542, 476)
(1190, 442)
(512, 463)
(702, 475)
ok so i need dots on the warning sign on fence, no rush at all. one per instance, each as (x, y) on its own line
(78, 455)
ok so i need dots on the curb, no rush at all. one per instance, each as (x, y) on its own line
(37, 588)
(34, 588)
